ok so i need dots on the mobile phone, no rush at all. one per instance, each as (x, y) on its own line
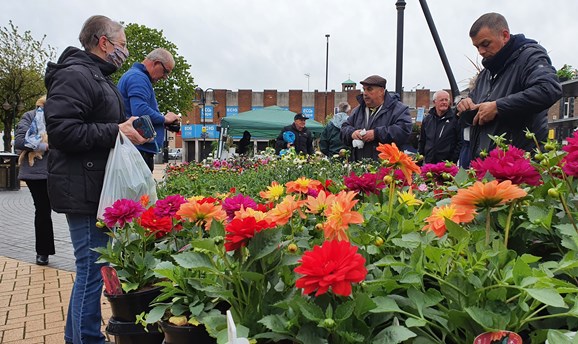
(467, 117)
(144, 126)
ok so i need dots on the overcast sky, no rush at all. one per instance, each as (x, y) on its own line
(272, 44)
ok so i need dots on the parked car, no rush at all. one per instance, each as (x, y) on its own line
(175, 154)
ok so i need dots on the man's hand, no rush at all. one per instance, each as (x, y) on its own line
(130, 132)
(369, 136)
(486, 113)
(358, 134)
(171, 117)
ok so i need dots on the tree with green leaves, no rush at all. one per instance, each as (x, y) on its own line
(173, 94)
(22, 64)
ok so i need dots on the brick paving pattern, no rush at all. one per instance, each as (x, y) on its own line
(34, 299)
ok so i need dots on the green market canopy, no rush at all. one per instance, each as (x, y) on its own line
(265, 123)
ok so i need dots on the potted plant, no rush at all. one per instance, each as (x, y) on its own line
(138, 242)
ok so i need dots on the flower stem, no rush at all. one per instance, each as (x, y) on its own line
(568, 212)
(488, 220)
(391, 199)
(508, 223)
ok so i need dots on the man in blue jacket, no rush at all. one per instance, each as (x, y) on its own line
(379, 118)
(514, 90)
(136, 88)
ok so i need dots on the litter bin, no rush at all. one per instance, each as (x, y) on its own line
(9, 171)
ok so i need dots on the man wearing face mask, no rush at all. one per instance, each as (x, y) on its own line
(136, 87)
(84, 115)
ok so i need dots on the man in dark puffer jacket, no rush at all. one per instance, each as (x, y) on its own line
(515, 89)
(83, 110)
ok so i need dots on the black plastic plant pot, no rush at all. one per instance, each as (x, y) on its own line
(186, 334)
(131, 333)
(125, 307)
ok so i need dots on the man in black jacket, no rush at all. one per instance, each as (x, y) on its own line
(295, 135)
(440, 137)
(514, 90)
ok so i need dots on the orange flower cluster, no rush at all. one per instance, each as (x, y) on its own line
(201, 212)
(340, 216)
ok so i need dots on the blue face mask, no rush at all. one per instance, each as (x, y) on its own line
(117, 56)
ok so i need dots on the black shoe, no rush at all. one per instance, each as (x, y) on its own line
(41, 259)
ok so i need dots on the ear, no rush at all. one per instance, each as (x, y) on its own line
(101, 43)
(505, 35)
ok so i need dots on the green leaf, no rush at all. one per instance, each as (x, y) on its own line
(206, 244)
(393, 335)
(385, 304)
(520, 271)
(363, 305)
(311, 311)
(423, 300)
(275, 323)
(461, 177)
(251, 276)
(156, 314)
(264, 242)
(412, 322)
(547, 296)
(559, 337)
(456, 231)
(344, 310)
(194, 260)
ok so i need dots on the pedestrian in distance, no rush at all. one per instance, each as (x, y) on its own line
(32, 141)
(330, 142)
(295, 135)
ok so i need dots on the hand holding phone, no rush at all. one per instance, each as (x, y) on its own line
(144, 127)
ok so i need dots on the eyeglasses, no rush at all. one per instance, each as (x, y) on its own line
(124, 46)
(166, 72)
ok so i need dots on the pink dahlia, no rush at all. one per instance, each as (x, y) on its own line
(122, 212)
(169, 205)
(507, 165)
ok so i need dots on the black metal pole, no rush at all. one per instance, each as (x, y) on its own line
(439, 46)
(166, 147)
(326, 72)
(400, 5)
(203, 130)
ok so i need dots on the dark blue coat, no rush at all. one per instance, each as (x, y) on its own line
(524, 87)
(392, 123)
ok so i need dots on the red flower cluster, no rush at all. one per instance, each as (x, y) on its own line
(159, 225)
(570, 161)
(335, 264)
(436, 171)
(507, 165)
(239, 231)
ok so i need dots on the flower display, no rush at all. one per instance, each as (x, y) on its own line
(436, 222)
(488, 195)
(274, 192)
(232, 204)
(284, 210)
(303, 185)
(367, 183)
(201, 212)
(340, 215)
(507, 164)
(122, 212)
(335, 265)
(570, 161)
(239, 231)
(394, 157)
(318, 204)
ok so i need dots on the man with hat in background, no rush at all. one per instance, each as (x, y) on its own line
(295, 135)
(379, 118)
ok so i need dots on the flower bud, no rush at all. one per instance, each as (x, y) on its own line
(529, 135)
(550, 146)
(446, 176)
(319, 226)
(429, 175)
(553, 192)
(483, 154)
(539, 157)
(328, 323)
(100, 224)
(378, 241)
(292, 248)
(342, 152)
(387, 179)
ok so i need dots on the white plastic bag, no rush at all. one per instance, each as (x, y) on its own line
(126, 176)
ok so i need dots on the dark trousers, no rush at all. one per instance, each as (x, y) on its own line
(149, 158)
(42, 217)
(465, 155)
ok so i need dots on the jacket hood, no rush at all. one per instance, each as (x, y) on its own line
(74, 56)
(338, 119)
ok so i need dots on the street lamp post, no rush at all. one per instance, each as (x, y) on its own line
(201, 103)
(326, 72)
(17, 106)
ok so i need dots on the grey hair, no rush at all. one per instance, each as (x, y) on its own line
(435, 96)
(162, 55)
(343, 107)
(493, 21)
(96, 27)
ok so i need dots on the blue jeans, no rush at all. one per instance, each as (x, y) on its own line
(84, 315)
(465, 156)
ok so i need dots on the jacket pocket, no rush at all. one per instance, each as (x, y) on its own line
(94, 177)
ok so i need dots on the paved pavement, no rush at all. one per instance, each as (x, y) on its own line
(34, 299)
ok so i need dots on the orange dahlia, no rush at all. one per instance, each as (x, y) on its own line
(488, 195)
(302, 185)
(201, 213)
(436, 221)
(393, 156)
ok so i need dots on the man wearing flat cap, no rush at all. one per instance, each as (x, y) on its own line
(295, 135)
(379, 118)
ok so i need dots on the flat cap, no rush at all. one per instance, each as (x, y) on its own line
(374, 80)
